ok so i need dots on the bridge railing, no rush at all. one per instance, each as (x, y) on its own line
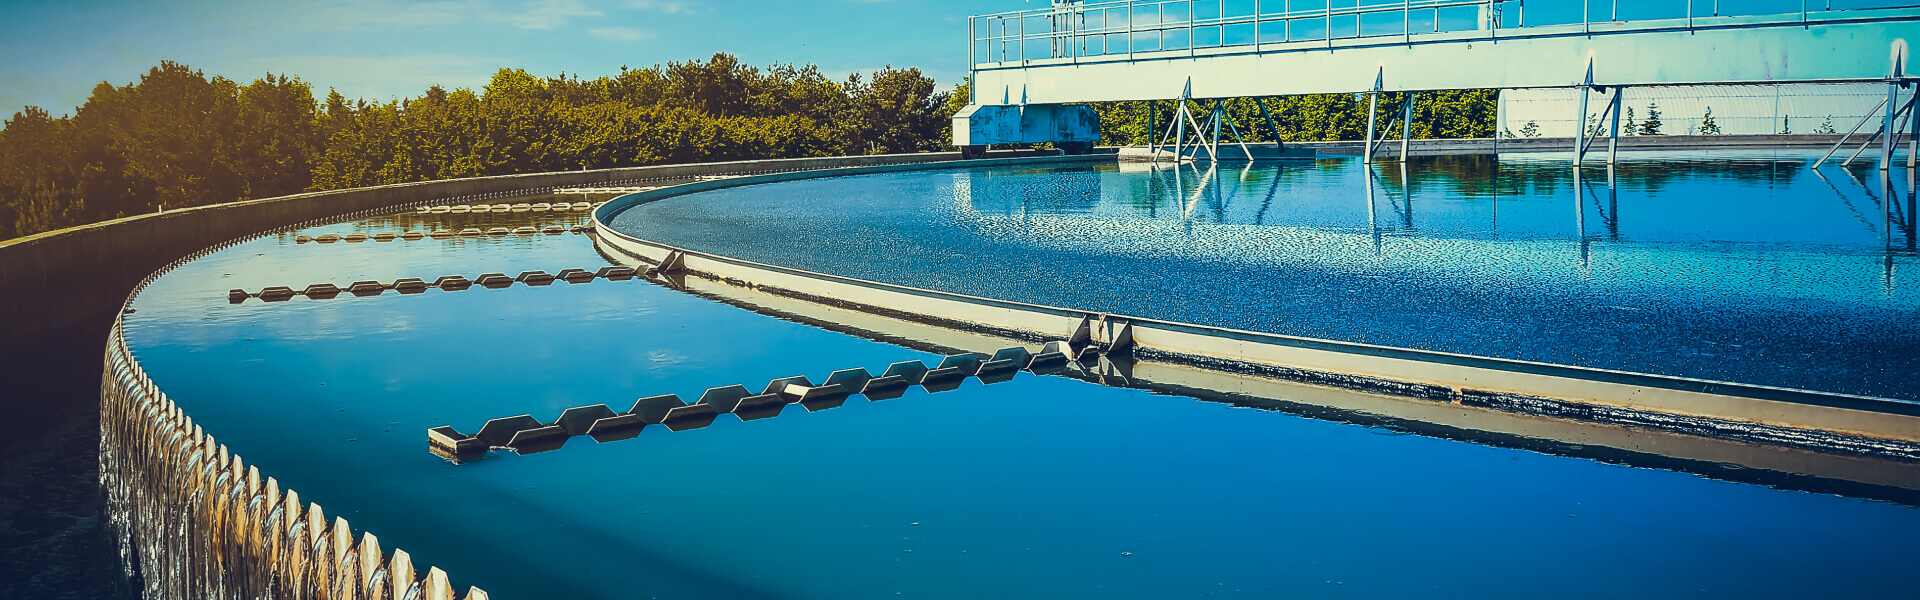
(1073, 30)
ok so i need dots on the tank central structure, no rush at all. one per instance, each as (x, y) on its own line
(1029, 68)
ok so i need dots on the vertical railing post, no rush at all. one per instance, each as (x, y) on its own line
(1406, 21)
(1256, 25)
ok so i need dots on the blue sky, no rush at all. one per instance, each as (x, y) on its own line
(53, 53)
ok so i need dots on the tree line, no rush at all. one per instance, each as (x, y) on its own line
(178, 138)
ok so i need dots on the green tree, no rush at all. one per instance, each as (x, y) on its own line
(179, 138)
(899, 111)
(1707, 125)
(1651, 126)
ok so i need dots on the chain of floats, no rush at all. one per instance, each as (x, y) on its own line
(192, 520)
(447, 283)
(441, 234)
(525, 435)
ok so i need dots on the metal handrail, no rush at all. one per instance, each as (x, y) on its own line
(1071, 33)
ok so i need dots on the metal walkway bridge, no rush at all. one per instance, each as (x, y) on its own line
(1028, 66)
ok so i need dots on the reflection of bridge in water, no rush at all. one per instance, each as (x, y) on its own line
(1202, 191)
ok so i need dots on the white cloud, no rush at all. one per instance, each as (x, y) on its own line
(342, 15)
(620, 34)
(664, 6)
(549, 14)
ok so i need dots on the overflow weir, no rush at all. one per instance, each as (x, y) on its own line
(1859, 439)
(189, 518)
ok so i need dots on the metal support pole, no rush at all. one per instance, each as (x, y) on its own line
(1153, 127)
(1896, 114)
(1180, 131)
(1272, 129)
(1913, 138)
(1235, 128)
(1162, 137)
(1406, 125)
(1580, 128)
(1214, 148)
(1499, 121)
(1373, 105)
(1886, 143)
(1199, 132)
(1613, 134)
(1848, 136)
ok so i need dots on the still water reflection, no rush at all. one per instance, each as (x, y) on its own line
(1732, 266)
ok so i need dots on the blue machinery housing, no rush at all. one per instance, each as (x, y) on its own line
(1028, 68)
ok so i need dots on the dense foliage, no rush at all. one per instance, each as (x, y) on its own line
(1325, 117)
(177, 138)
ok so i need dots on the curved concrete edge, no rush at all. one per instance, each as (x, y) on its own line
(117, 259)
(1778, 466)
(1436, 376)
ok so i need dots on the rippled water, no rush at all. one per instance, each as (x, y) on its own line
(1737, 266)
(1042, 487)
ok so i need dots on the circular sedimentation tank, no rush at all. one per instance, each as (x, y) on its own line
(1102, 478)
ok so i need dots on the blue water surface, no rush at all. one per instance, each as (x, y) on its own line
(1734, 266)
(1041, 487)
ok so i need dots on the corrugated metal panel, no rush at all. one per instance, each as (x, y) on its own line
(1737, 109)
